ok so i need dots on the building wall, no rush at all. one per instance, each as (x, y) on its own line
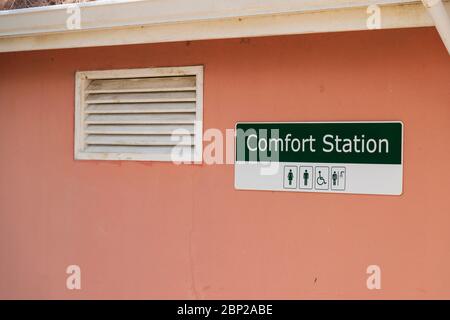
(158, 230)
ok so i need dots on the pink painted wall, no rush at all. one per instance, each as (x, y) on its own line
(157, 230)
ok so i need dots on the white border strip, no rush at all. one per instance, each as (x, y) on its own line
(114, 14)
(98, 30)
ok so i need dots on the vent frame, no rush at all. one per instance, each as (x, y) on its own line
(84, 78)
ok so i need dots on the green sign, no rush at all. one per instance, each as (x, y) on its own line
(320, 142)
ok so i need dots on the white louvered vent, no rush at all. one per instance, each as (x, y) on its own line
(139, 114)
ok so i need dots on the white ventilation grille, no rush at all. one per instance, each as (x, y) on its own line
(139, 114)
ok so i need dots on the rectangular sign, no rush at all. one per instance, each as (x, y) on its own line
(340, 157)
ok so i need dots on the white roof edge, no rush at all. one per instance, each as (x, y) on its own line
(118, 22)
(123, 13)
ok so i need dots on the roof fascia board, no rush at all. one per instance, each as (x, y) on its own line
(349, 19)
(119, 14)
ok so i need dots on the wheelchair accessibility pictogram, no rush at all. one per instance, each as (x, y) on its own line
(322, 178)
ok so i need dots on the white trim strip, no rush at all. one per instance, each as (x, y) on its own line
(350, 19)
(119, 14)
